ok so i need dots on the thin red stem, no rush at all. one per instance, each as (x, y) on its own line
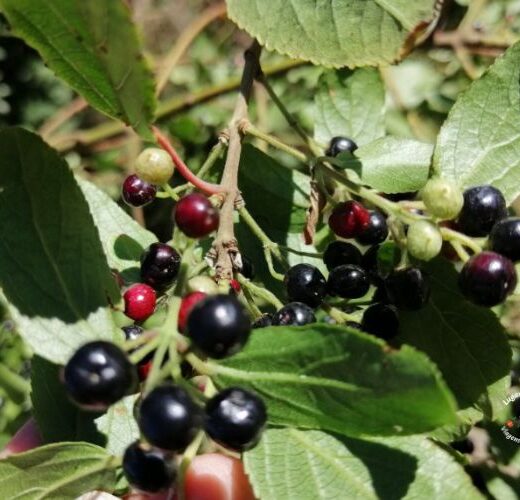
(205, 187)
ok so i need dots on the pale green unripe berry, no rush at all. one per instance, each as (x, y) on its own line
(202, 284)
(423, 240)
(154, 165)
(442, 198)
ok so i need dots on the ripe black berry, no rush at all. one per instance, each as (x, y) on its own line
(294, 314)
(99, 374)
(148, 469)
(188, 302)
(137, 192)
(348, 282)
(349, 219)
(168, 418)
(487, 278)
(408, 288)
(160, 265)
(339, 253)
(381, 320)
(195, 216)
(235, 418)
(219, 326)
(375, 231)
(483, 207)
(305, 283)
(505, 238)
(263, 321)
(339, 145)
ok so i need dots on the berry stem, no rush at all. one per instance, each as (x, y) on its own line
(338, 315)
(183, 169)
(262, 293)
(454, 236)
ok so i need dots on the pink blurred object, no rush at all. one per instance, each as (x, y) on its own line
(26, 438)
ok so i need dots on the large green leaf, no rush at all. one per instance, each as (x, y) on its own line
(291, 464)
(59, 471)
(52, 268)
(332, 32)
(350, 103)
(337, 379)
(467, 342)
(57, 417)
(390, 164)
(480, 141)
(93, 46)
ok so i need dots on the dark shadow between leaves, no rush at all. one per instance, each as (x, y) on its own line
(126, 248)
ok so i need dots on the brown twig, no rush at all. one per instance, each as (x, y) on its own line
(225, 248)
(64, 114)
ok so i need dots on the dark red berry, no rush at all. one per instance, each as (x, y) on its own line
(381, 320)
(263, 321)
(408, 288)
(160, 265)
(483, 207)
(140, 300)
(98, 374)
(348, 281)
(137, 192)
(505, 238)
(349, 219)
(143, 370)
(339, 145)
(294, 314)
(487, 278)
(339, 253)
(195, 216)
(305, 283)
(149, 469)
(235, 418)
(168, 418)
(187, 304)
(219, 326)
(375, 232)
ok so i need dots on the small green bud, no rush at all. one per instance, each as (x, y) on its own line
(442, 198)
(202, 284)
(424, 240)
(154, 165)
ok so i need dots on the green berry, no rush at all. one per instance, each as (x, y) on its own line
(442, 198)
(154, 165)
(424, 240)
(202, 284)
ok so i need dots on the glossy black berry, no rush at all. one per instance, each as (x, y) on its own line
(168, 418)
(263, 321)
(369, 262)
(137, 192)
(376, 231)
(219, 326)
(160, 265)
(99, 374)
(235, 418)
(348, 281)
(381, 320)
(148, 469)
(483, 207)
(505, 238)
(408, 289)
(487, 278)
(339, 145)
(248, 269)
(294, 314)
(305, 283)
(339, 253)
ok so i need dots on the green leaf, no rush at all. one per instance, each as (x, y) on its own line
(54, 273)
(59, 471)
(467, 342)
(291, 464)
(391, 165)
(351, 104)
(94, 47)
(480, 140)
(331, 33)
(57, 418)
(341, 380)
(119, 425)
(123, 239)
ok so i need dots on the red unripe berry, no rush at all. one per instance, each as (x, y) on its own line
(144, 370)
(349, 219)
(140, 300)
(195, 216)
(187, 304)
(235, 286)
